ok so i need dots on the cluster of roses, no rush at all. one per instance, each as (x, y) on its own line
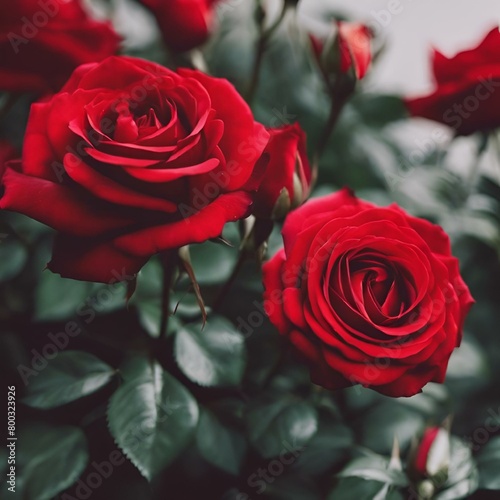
(129, 159)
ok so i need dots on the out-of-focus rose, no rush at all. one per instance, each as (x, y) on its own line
(131, 159)
(348, 52)
(429, 460)
(43, 41)
(184, 24)
(467, 89)
(432, 455)
(367, 295)
(286, 183)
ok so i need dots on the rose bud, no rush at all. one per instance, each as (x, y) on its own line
(466, 96)
(184, 24)
(348, 52)
(366, 295)
(286, 183)
(132, 159)
(43, 41)
(431, 457)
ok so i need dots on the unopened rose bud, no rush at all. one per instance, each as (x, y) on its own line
(425, 489)
(183, 25)
(287, 179)
(355, 48)
(282, 206)
(346, 53)
(431, 458)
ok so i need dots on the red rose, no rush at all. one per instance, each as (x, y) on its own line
(355, 48)
(43, 41)
(184, 24)
(131, 159)
(368, 295)
(349, 51)
(285, 185)
(467, 95)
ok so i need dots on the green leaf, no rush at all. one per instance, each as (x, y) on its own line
(378, 430)
(149, 281)
(467, 362)
(13, 253)
(152, 416)
(462, 474)
(281, 426)
(149, 317)
(288, 487)
(70, 376)
(374, 468)
(327, 448)
(361, 489)
(379, 110)
(213, 356)
(58, 298)
(50, 459)
(488, 462)
(433, 399)
(212, 263)
(220, 445)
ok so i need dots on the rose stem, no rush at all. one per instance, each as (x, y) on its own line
(335, 110)
(169, 264)
(262, 42)
(474, 171)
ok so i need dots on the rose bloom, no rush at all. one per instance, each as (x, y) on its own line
(367, 295)
(466, 95)
(287, 178)
(43, 41)
(184, 24)
(131, 159)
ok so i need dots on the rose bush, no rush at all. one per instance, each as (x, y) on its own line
(43, 41)
(184, 24)
(466, 96)
(367, 295)
(286, 183)
(131, 159)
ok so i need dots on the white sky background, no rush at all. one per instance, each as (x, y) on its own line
(450, 25)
